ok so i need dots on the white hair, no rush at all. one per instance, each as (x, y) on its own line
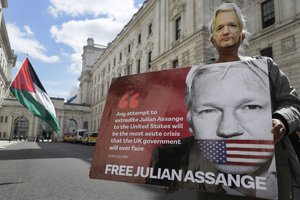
(226, 6)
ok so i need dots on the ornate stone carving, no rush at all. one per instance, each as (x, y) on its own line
(119, 70)
(149, 46)
(138, 55)
(288, 44)
(129, 61)
(175, 7)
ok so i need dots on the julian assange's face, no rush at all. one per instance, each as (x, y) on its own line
(232, 106)
(227, 31)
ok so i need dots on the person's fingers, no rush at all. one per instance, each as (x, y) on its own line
(278, 130)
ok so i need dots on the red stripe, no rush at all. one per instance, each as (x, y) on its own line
(242, 163)
(248, 156)
(23, 80)
(248, 149)
(250, 141)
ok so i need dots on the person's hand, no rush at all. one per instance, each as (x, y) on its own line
(278, 130)
(298, 133)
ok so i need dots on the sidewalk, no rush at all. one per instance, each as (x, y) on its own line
(5, 143)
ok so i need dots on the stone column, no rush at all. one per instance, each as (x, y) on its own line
(36, 126)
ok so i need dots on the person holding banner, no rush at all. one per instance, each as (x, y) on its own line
(227, 33)
(229, 113)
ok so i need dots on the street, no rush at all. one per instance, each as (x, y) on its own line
(35, 171)
(46, 170)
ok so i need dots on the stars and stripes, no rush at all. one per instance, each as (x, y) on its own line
(237, 152)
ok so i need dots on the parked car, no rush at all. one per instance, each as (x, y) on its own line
(90, 138)
(85, 138)
(68, 137)
(77, 135)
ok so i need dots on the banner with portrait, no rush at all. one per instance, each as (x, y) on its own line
(205, 127)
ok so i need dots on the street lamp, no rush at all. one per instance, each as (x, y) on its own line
(12, 127)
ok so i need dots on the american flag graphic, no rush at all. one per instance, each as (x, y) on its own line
(237, 152)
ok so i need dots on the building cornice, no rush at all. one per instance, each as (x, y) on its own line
(9, 53)
(273, 33)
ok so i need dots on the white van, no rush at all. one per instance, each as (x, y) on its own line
(78, 134)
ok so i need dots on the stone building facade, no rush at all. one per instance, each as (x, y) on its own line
(7, 56)
(17, 122)
(166, 34)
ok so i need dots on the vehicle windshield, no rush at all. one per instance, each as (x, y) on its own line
(94, 135)
(81, 133)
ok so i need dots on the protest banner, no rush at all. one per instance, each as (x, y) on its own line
(207, 127)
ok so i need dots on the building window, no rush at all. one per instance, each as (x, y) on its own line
(107, 87)
(138, 67)
(120, 56)
(150, 29)
(6, 119)
(85, 125)
(268, 13)
(129, 48)
(267, 52)
(140, 38)
(114, 62)
(177, 28)
(128, 70)
(149, 59)
(1, 119)
(175, 63)
(102, 91)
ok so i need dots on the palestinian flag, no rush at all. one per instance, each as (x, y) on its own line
(29, 91)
